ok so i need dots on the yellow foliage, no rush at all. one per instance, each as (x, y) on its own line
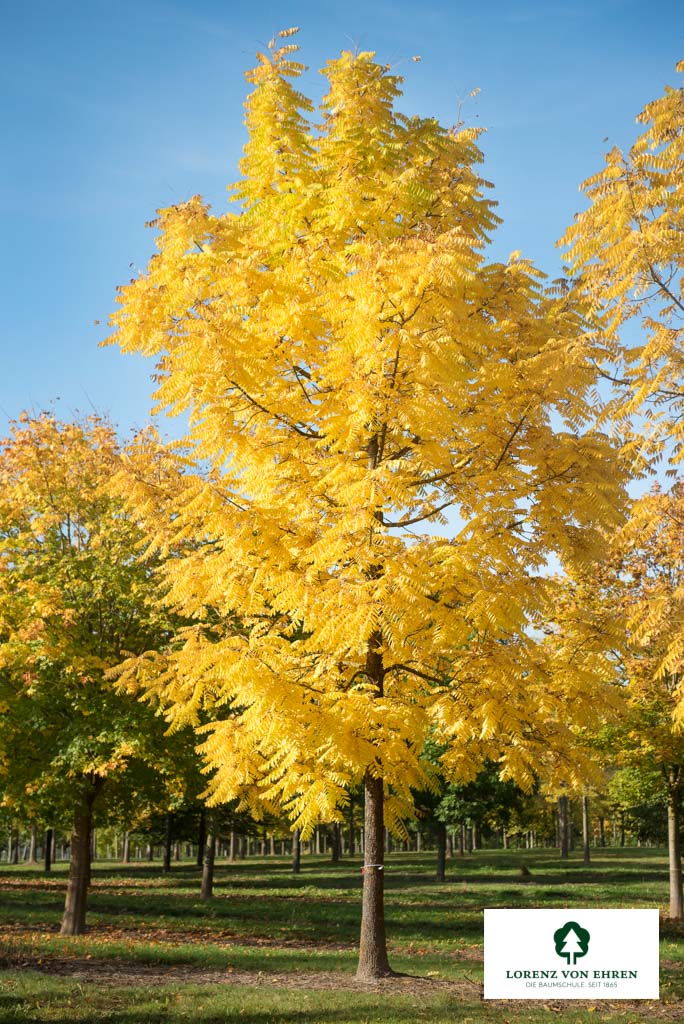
(355, 372)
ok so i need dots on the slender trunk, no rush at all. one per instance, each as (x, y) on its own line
(296, 852)
(674, 849)
(207, 890)
(585, 830)
(622, 828)
(15, 845)
(336, 854)
(462, 840)
(201, 837)
(441, 851)
(48, 850)
(33, 843)
(126, 852)
(231, 854)
(563, 826)
(373, 961)
(74, 918)
(352, 849)
(602, 832)
(167, 844)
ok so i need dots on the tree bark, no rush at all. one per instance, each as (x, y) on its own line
(373, 961)
(296, 852)
(586, 855)
(48, 851)
(231, 854)
(74, 917)
(602, 832)
(126, 852)
(207, 889)
(441, 851)
(674, 848)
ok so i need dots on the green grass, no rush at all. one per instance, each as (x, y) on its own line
(264, 919)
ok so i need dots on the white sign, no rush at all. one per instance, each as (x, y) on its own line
(571, 954)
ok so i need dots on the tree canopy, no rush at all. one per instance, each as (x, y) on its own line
(354, 369)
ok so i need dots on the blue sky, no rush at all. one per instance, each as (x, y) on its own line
(112, 110)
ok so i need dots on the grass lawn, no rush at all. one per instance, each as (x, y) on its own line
(273, 948)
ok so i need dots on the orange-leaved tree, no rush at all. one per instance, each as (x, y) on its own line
(353, 369)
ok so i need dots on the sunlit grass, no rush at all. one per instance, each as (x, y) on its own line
(264, 922)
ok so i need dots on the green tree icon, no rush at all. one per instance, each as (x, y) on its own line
(572, 941)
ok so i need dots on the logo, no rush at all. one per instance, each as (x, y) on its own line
(572, 942)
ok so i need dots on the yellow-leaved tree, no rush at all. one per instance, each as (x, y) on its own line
(353, 369)
(652, 546)
(627, 249)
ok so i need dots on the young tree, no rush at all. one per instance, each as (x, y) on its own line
(652, 738)
(74, 598)
(353, 369)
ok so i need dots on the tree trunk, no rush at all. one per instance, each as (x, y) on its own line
(563, 826)
(201, 837)
(73, 920)
(336, 854)
(373, 961)
(48, 850)
(462, 840)
(231, 854)
(441, 851)
(674, 850)
(167, 844)
(14, 840)
(602, 832)
(126, 852)
(296, 852)
(33, 843)
(207, 890)
(352, 849)
(586, 856)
